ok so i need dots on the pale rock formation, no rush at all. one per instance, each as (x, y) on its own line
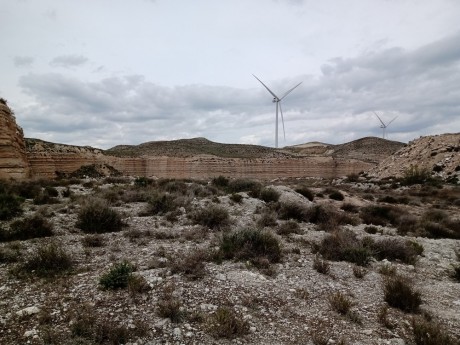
(13, 158)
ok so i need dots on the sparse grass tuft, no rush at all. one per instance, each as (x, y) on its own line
(359, 272)
(340, 303)
(97, 217)
(321, 266)
(93, 241)
(226, 323)
(430, 333)
(192, 264)
(170, 306)
(48, 260)
(400, 293)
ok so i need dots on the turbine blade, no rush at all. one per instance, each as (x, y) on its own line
(289, 91)
(379, 119)
(282, 120)
(392, 120)
(267, 88)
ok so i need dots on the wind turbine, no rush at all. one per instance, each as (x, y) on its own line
(383, 125)
(278, 100)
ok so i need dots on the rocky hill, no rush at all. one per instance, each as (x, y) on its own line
(13, 158)
(438, 154)
(368, 149)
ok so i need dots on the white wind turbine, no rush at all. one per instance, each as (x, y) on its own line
(278, 100)
(383, 125)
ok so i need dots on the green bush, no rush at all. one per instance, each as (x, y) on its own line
(399, 293)
(250, 244)
(97, 217)
(118, 276)
(213, 217)
(10, 206)
(243, 185)
(142, 181)
(269, 195)
(30, 227)
(48, 260)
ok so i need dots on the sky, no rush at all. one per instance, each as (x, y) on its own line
(110, 72)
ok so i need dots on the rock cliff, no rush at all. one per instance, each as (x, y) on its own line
(48, 160)
(13, 158)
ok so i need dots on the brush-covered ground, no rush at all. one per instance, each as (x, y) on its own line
(140, 261)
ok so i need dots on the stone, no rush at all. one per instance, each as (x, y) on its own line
(28, 311)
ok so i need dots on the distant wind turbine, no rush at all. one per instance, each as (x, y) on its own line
(278, 100)
(383, 125)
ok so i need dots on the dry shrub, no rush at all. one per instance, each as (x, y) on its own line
(269, 195)
(250, 244)
(380, 215)
(340, 303)
(306, 192)
(170, 306)
(293, 210)
(48, 260)
(400, 293)
(382, 316)
(343, 245)
(96, 217)
(213, 217)
(427, 332)
(226, 323)
(93, 241)
(289, 227)
(321, 266)
(328, 218)
(359, 272)
(394, 249)
(192, 265)
(267, 219)
(35, 226)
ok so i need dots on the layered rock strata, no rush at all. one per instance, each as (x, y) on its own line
(13, 158)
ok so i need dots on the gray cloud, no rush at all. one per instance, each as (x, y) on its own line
(23, 61)
(420, 86)
(68, 61)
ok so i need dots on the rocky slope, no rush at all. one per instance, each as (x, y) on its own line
(289, 303)
(13, 158)
(438, 154)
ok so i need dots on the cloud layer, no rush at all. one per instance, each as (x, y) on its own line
(421, 86)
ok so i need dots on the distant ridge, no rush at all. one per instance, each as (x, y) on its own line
(193, 147)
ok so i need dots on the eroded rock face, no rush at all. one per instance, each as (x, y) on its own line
(47, 160)
(13, 158)
(439, 154)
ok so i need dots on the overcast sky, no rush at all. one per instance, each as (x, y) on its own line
(109, 72)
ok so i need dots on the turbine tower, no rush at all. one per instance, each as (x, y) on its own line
(383, 125)
(278, 100)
